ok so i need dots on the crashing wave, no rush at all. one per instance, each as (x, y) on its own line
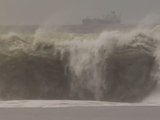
(115, 66)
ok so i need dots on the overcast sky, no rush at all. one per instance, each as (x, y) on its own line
(72, 11)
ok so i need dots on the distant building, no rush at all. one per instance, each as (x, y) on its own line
(111, 18)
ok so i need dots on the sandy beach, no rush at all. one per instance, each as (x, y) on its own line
(81, 113)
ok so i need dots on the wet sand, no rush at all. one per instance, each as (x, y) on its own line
(82, 113)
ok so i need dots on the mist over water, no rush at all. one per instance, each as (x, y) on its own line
(120, 66)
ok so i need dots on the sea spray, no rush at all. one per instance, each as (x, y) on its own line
(91, 63)
(86, 66)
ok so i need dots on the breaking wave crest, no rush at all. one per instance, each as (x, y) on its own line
(113, 66)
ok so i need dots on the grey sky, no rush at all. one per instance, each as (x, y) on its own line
(72, 11)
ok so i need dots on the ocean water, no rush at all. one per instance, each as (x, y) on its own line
(51, 68)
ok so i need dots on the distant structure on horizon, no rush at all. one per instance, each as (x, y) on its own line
(111, 21)
(111, 18)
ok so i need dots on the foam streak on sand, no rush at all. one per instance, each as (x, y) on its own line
(64, 104)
